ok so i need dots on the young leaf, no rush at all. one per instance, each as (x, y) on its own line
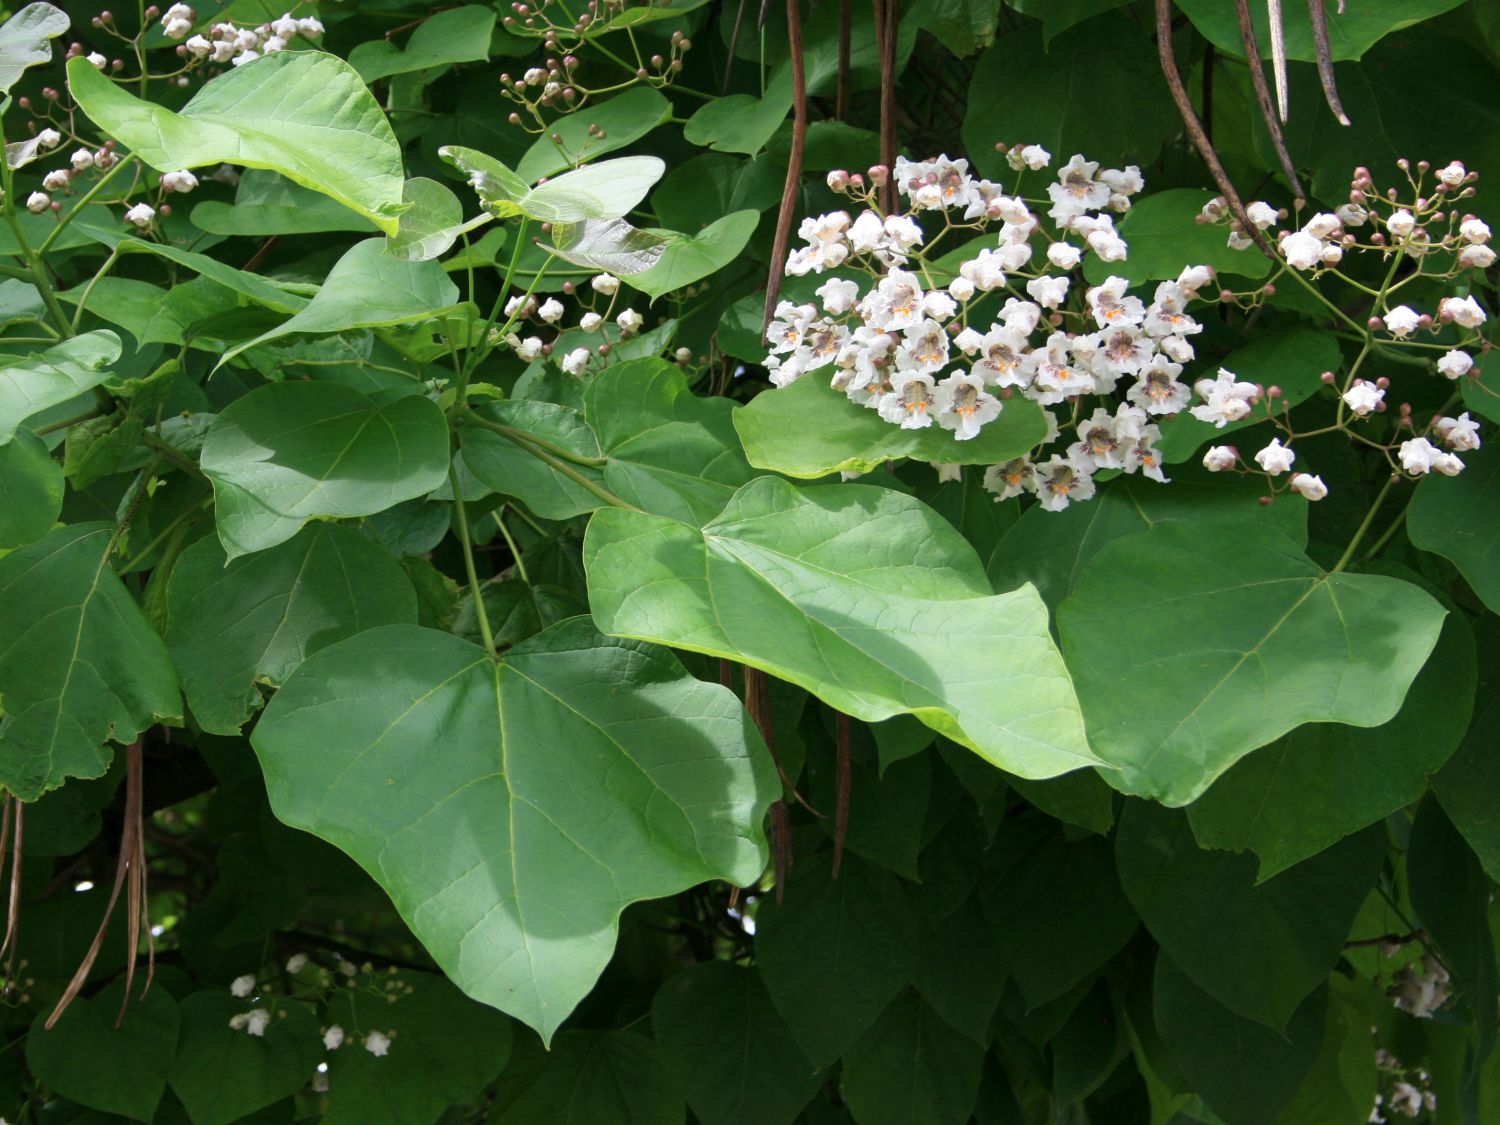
(50, 378)
(444, 38)
(431, 223)
(236, 625)
(577, 775)
(79, 665)
(26, 41)
(689, 258)
(611, 245)
(304, 114)
(289, 452)
(860, 595)
(1221, 623)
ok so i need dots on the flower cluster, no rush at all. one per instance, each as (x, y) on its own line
(1409, 1093)
(926, 341)
(1422, 987)
(230, 43)
(579, 347)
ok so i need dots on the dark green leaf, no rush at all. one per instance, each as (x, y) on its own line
(911, 1066)
(31, 490)
(589, 1077)
(1454, 517)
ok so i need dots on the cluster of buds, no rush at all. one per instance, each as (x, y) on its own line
(573, 345)
(230, 43)
(1408, 1090)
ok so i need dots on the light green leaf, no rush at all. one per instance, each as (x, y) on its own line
(50, 378)
(261, 290)
(267, 204)
(1256, 948)
(88, 1060)
(609, 189)
(622, 120)
(79, 665)
(689, 258)
(577, 775)
(444, 38)
(740, 122)
(912, 1066)
(588, 1078)
(26, 41)
(251, 622)
(1323, 781)
(31, 490)
(1351, 32)
(1220, 626)
(304, 114)
(430, 225)
(223, 1075)
(446, 1051)
(728, 1048)
(808, 430)
(289, 452)
(860, 595)
(499, 189)
(1455, 517)
(612, 245)
(367, 288)
(1163, 236)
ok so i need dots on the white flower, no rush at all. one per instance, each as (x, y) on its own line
(285, 27)
(1020, 316)
(1405, 1099)
(910, 403)
(984, 272)
(838, 296)
(1351, 215)
(1109, 246)
(1465, 311)
(310, 27)
(605, 283)
(1401, 321)
(1401, 223)
(1275, 458)
(81, 159)
(273, 44)
(948, 471)
(179, 12)
(789, 325)
(866, 234)
(141, 215)
(1363, 397)
(1418, 456)
(182, 181)
(630, 321)
(333, 1038)
(683, 355)
(963, 406)
(37, 202)
(224, 50)
(1064, 255)
(1476, 257)
(296, 963)
(1455, 364)
(1049, 292)
(57, 180)
(590, 321)
(1422, 988)
(1157, 390)
(49, 138)
(244, 57)
(895, 303)
(902, 231)
(1220, 457)
(98, 60)
(1035, 157)
(1076, 190)
(551, 311)
(575, 361)
(242, 986)
(1099, 446)
(529, 348)
(257, 1021)
(377, 1044)
(1002, 352)
(1301, 250)
(939, 305)
(1225, 399)
(1240, 241)
(1321, 225)
(1059, 481)
(1305, 484)
(1475, 231)
(961, 289)
(1453, 174)
(176, 29)
(924, 348)
(1111, 307)
(1461, 433)
(1125, 181)
(1262, 215)
(1010, 479)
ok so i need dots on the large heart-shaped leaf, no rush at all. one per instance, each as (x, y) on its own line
(575, 776)
(26, 41)
(1231, 640)
(368, 288)
(456, 35)
(304, 114)
(858, 594)
(233, 627)
(79, 665)
(31, 490)
(599, 128)
(809, 430)
(50, 378)
(1455, 517)
(612, 245)
(289, 452)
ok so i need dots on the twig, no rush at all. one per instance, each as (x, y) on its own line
(842, 779)
(793, 163)
(1263, 97)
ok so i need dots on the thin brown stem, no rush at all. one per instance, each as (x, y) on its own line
(841, 95)
(1263, 97)
(842, 780)
(786, 214)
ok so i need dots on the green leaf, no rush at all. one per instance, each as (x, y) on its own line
(598, 128)
(223, 1075)
(79, 665)
(1351, 32)
(1256, 948)
(911, 1066)
(1163, 235)
(740, 122)
(431, 224)
(444, 38)
(690, 258)
(612, 245)
(834, 952)
(1293, 359)
(808, 430)
(587, 1078)
(963, 26)
(609, 189)
(26, 41)
(1025, 90)
(1454, 517)
(1342, 1083)
(267, 204)
(289, 452)
(728, 1048)
(1244, 1071)
(1059, 15)
(1220, 624)
(1469, 785)
(88, 1060)
(304, 114)
(31, 490)
(50, 378)
(367, 288)
(444, 1050)
(1325, 780)
(581, 775)
(235, 627)
(860, 595)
